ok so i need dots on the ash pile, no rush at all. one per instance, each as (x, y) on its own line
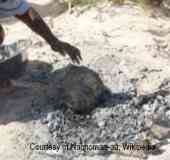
(105, 108)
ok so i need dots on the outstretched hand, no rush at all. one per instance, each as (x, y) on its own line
(65, 48)
(37, 24)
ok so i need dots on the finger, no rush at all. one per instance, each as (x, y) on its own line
(77, 51)
(73, 53)
(80, 57)
(75, 59)
(62, 52)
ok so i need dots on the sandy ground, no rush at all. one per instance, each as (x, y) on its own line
(125, 35)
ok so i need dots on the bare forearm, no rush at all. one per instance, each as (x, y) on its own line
(34, 21)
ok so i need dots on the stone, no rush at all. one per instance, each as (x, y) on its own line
(55, 121)
(168, 114)
(101, 124)
(166, 7)
(160, 132)
(166, 4)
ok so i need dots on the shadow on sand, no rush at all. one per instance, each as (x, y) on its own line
(31, 86)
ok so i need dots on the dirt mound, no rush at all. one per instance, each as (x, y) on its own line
(77, 88)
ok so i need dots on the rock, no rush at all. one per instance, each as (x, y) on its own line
(146, 107)
(78, 88)
(101, 124)
(155, 105)
(148, 123)
(54, 120)
(160, 132)
(51, 116)
(168, 100)
(166, 7)
(166, 4)
(53, 126)
(167, 114)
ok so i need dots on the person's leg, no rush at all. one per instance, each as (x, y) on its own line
(5, 85)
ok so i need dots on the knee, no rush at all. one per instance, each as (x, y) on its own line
(2, 35)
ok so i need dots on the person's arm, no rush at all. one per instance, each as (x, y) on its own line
(34, 21)
(2, 34)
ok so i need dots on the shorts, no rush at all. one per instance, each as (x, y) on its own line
(13, 7)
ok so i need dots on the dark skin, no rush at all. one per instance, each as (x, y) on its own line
(34, 21)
